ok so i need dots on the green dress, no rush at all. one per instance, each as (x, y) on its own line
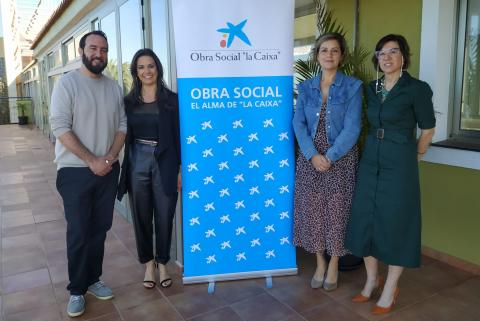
(385, 220)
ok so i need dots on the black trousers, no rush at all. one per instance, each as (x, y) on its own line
(151, 207)
(88, 201)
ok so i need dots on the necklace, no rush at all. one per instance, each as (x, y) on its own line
(383, 88)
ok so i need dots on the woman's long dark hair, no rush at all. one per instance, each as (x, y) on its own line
(135, 94)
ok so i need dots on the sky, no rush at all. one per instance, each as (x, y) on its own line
(1, 24)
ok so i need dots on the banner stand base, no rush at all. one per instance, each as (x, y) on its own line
(211, 279)
(268, 282)
(211, 287)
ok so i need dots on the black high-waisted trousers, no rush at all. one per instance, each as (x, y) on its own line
(151, 207)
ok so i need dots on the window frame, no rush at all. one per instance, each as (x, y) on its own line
(461, 34)
(69, 41)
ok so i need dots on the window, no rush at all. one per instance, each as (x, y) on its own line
(68, 50)
(95, 24)
(77, 40)
(159, 19)
(130, 36)
(54, 59)
(109, 27)
(467, 96)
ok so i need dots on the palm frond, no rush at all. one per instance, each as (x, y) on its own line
(306, 69)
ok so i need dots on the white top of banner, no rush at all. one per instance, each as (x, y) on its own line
(231, 38)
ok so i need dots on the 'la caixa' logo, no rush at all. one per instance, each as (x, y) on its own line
(233, 31)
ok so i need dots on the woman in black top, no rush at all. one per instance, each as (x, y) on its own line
(151, 166)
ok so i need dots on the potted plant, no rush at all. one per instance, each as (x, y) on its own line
(22, 108)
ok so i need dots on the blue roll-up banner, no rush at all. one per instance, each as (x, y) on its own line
(235, 84)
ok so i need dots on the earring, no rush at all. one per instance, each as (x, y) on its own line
(401, 69)
(376, 83)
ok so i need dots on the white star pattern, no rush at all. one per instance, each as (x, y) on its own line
(207, 153)
(235, 172)
(283, 163)
(224, 192)
(269, 202)
(208, 180)
(269, 228)
(195, 221)
(254, 190)
(268, 150)
(222, 138)
(210, 233)
(207, 124)
(238, 178)
(283, 189)
(222, 166)
(253, 163)
(225, 218)
(192, 140)
(193, 194)
(283, 136)
(211, 259)
(241, 256)
(240, 230)
(268, 123)
(268, 177)
(225, 244)
(195, 247)
(252, 137)
(270, 254)
(237, 124)
(255, 216)
(209, 207)
(239, 204)
(284, 215)
(284, 240)
(238, 151)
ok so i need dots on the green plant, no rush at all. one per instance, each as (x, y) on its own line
(22, 108)
(353, 64)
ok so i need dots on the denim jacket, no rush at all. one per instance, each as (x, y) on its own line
(343, 115)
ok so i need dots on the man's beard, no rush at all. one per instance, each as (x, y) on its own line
(96, 69)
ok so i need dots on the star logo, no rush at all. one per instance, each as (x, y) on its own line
(233, 31)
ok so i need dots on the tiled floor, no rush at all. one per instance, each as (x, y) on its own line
(34, 276)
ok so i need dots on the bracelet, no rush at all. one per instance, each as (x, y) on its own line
(421, 153)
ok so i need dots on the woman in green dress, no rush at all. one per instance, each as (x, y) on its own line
(385, 221)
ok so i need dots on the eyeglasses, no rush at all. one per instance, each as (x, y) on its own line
(333, 51)
(382, 54)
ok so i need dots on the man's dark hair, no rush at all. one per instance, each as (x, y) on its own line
(83, 40)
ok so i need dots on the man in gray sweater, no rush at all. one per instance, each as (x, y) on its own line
(88, 119)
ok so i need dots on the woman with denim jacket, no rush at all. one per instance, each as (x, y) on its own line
(327, 123)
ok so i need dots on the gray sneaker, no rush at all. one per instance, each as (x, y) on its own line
(100, 291)
(76, 305)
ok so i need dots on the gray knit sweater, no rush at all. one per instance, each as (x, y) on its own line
(92, 108)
